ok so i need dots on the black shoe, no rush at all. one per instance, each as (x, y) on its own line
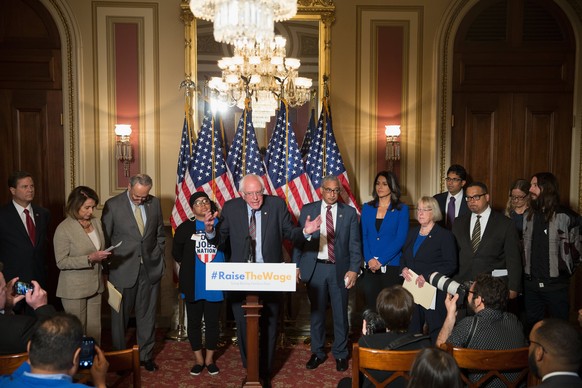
(314, 362)
(341, 364)
(196, 369)
(149, 365)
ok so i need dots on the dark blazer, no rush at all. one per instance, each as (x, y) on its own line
(498, 249)
(20, 257)
(347, 248)
(276, 225)
(562, 381)
(442, 201)
(17, 329)
(119, 224)
(437, 253)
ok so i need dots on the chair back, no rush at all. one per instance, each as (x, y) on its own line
(10, 362)
(121, 364)
(397, 361)
(493, 364)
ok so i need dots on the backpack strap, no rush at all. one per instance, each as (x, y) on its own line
(406, 340)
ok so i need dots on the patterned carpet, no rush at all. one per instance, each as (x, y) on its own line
(175, 360)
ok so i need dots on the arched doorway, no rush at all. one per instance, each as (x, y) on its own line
(31, 108)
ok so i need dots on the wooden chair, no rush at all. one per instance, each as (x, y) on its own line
(10, 362)
(397, 361)
(493, 363)
(121, 363)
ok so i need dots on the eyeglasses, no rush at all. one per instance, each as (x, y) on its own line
(253, 193)
(329, 191)
(476, 197)
(517, 198)
(456, 180)
(421, 210)
(202, 202)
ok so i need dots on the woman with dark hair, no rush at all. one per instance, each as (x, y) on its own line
(518, 204)
(79, 250)
(429, 248)
(192, 250)
(435, 368)
(384, 229)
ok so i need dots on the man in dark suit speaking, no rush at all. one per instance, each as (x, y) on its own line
(23, 232)
(134, 218)
(487, 242)
(329, 262)
(266, 220)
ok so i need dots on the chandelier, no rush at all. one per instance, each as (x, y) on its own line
(260, 71)
(243, 21)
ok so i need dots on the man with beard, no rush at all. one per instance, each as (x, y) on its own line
(491, 328)
(552, 249)
(555, 353)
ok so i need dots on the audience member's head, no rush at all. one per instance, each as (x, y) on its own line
(434, 368)
(55, 346)
(373, 323)
(555, 345)
(395, 305)
(487, 292)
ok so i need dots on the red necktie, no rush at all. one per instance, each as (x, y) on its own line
(30, 227)
(330, 234)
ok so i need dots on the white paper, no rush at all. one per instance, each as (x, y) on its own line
(499, 272)
(425, 296)
(113, 247)
(115, 296)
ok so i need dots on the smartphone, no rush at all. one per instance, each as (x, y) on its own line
(20, 288)
(87, 353)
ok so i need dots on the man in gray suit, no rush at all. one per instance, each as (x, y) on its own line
(487, 242)
(134, 218)
(329, 262)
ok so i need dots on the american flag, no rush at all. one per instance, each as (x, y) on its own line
(243, 156)
(181, 210)
(308, 135)
(208, 168)
(285, 167)
(325, 159)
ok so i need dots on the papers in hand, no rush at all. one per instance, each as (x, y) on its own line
(114, 298)
(113, 247)
(425, 296)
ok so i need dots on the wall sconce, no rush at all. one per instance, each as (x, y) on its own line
(123, 151)
(392, 144)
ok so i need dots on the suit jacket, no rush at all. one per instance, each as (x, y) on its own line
(20, 257)
(276, 225)
(498, 249)
(17, 329)
(437, 253)
(386, 243)
(561, 381)
(77, 279)
(442, 201)
(119, 224)
(347, 246)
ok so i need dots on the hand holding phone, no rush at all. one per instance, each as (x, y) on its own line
(87, 353)
(21, 288)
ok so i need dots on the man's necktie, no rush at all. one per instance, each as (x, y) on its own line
(253, 233)
(330, 234)
(139, 219)
(451, 213)
(476, 238)
(30, 227)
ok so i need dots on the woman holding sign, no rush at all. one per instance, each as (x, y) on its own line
(79, 244)
(428, 248)
(193, 251)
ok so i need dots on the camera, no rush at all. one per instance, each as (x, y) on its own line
(87, 353)
(448, 285)
(21, 288)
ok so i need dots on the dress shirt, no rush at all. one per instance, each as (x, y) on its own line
(559, 374)
(482, 221)
(458, 200)
(322, 255)
(20, 211)
(141, 207)
(258, 234)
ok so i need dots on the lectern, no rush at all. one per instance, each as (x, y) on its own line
(252, 308)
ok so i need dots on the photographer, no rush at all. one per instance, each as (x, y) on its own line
(17, 329)
(54, 356)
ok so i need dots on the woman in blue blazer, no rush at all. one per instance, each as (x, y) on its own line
(384, 229)
(429, 248)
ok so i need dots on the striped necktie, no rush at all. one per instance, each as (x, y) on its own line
(476, 238)
(330, 234)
